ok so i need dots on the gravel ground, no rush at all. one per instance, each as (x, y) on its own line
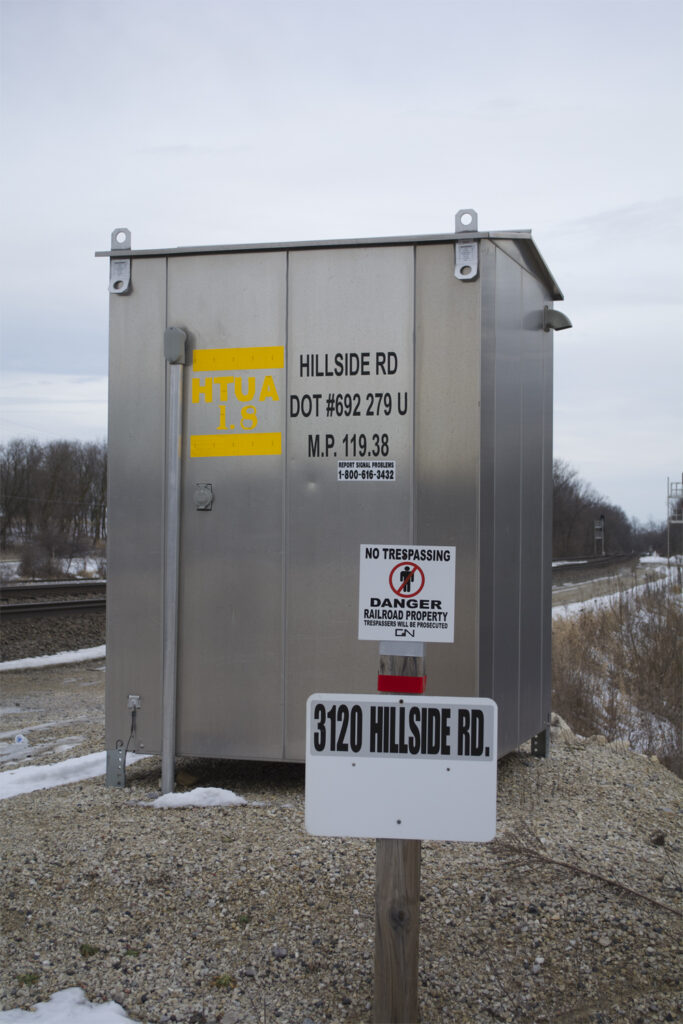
(28, 636)
(235, 914)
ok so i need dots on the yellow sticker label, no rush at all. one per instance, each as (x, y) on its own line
(245, 384)
(205, 446)
(260, 357)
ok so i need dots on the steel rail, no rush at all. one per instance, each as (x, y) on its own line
(86, 604)
(8, 591)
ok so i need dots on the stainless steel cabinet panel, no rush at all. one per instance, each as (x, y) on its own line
(230, 680)
(447, 440)
(516, 495)
(343, 301)
(135, 505)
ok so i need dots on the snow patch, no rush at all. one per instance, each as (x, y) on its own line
(201, 797)
(63, 658)
(609, 600)
(70, 1006)
(28, 779)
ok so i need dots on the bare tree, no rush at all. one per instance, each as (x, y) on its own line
(572, 499)
(577, 507)
(53, 497)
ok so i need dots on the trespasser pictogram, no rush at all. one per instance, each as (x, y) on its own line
(406, 579)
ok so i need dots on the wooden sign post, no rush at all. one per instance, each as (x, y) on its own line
(397, 930)
(397, 874)
(399, 767)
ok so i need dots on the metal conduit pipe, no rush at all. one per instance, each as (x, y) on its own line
(174, 351)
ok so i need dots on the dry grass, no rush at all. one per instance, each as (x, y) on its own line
(617, 670)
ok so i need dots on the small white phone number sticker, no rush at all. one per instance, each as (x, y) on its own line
(366, 469)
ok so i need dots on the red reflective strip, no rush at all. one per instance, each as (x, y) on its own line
(401, 684)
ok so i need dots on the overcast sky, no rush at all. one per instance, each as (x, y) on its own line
(200, 122)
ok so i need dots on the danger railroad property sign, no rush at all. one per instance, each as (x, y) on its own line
(406, 592)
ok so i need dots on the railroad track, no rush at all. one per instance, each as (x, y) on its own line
(72, 597)
(75, 596)
(585, 569)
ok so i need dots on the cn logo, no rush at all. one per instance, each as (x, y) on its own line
(404, 632)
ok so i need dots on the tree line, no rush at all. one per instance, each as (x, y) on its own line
(55, 495)
(53, 499)
(584, 521)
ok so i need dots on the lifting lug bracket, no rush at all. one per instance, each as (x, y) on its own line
(119, 269)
